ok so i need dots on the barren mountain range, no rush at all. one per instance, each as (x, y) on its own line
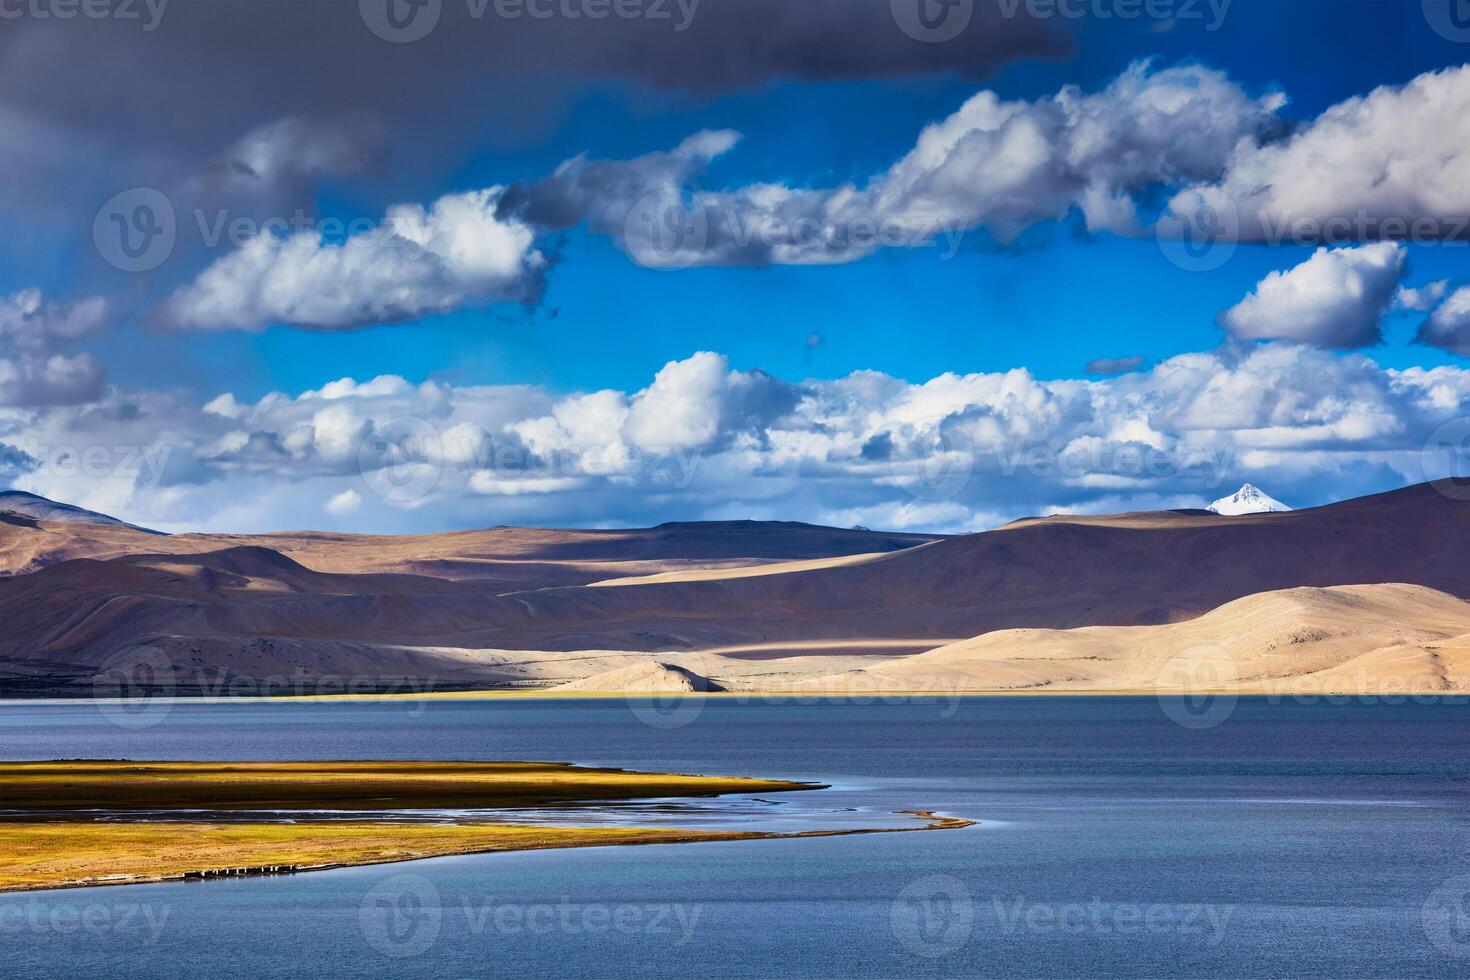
(1116, 602)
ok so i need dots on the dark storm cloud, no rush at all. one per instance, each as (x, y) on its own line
(207, 71)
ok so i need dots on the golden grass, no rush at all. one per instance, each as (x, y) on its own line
(82, 853)
(64, 854)
(59, 853)
(343, 785)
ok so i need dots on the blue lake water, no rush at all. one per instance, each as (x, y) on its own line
(1279, 839)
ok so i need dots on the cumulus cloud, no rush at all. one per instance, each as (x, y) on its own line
(33, 372)
(292, 152)
(346, 502)
(1335, 299)
(1423, 298)
(1448, 327)
(993, 164)
(29, 322)
(705, 440)
(417, 262)
(1389, 164)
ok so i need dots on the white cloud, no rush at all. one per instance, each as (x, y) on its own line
(1448, 327)
(456, 253)
(955, 452)
(1368, 167)
(1335, 299)
(29, 322)
(993, 164)
(1424, 298)
(345, 502)
(33, 373)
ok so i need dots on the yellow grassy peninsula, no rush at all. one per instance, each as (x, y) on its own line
(53, 834)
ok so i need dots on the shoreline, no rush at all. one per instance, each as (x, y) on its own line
(565, 838)
(794, 696)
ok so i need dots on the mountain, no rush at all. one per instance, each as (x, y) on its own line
(1248, 499)
(18, 503)
(506, 558)
(778, 602)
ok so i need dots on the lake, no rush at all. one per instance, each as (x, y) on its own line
(1117, 837)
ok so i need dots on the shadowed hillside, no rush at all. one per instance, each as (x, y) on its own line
(339, 603)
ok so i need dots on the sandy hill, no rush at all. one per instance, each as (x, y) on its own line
(491, 604)
(645, 677)
(1347, 638)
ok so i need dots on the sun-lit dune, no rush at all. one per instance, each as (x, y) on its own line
(1362, 637)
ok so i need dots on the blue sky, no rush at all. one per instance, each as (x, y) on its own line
(606, 322)
(1054, 299)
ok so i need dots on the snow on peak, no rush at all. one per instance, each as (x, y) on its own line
(1248, 499)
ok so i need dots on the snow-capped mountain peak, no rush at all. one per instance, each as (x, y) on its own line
(1248, 499)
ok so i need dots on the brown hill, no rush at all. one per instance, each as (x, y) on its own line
(427, 604)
